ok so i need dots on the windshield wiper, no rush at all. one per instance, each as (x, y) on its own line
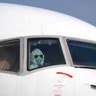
(93, 86)
(87, 67)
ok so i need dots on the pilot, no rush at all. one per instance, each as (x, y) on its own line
(4, 64)
(36, 59)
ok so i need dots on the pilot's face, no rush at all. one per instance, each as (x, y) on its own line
(37, 57)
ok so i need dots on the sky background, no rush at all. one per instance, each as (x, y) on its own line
(82, 9)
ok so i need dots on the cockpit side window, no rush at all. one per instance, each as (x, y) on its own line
(43, 52)
(82, 53)
(9, 55)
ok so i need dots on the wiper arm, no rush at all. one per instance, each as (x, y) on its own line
(87, 67)
(93, 86)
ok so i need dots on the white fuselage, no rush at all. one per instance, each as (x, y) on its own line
(18, 21)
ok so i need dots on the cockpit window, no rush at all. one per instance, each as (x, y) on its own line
(83, 54)
(9, 55)
(44, 52)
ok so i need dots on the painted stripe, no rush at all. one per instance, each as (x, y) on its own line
(70, 76)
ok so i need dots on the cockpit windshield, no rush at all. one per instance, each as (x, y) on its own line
(44, 52)
(83, 54)
(9, 55)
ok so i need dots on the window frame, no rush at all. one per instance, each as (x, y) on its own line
(51, 37)
(81, 40)
(64, 48)
(20, 56)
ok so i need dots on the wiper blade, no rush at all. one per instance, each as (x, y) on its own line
(87, 67)
(93, 86)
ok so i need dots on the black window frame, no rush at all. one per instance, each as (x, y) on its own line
(16, 46)
(81, 41)
(46, 38)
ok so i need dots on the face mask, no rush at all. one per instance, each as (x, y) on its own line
(39, 59)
